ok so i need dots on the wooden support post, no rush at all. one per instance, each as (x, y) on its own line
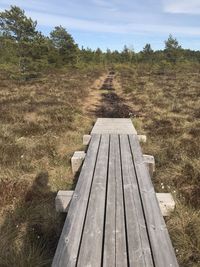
(165, 200)
(166, 203)
(77, 160)
(62, 200)
(142, 138)
(86, 139)
(150, 162)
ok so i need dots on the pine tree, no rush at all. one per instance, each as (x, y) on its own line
(15, 24)
(147, 50)
(65, 45)
(21, 31)
(172, 49)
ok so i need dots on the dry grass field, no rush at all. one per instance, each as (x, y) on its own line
(42, 123)
(166, 107)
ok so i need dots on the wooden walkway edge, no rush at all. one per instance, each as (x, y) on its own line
(114, 217)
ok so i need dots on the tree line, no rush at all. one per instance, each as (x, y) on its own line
(25, 52)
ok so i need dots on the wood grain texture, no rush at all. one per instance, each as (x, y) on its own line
(90, 254)
(114, 218)
(138, 244)
(113, 126)
(68, 246)
(121, 238)
(109, 250)
(163, 252)
(115, 251)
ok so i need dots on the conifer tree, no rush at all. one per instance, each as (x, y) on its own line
(64, 44)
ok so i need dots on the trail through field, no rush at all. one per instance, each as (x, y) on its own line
(106, 100)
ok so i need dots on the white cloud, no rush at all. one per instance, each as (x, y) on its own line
(31, 4)
(182, 6)
(102, 3)
(121, 21)
(72, 23)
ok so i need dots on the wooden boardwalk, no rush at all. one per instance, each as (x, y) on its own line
(114, 217)
(113, 126)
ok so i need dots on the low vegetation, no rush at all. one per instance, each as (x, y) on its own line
(166, 108)
(45, 83)
(42, 124)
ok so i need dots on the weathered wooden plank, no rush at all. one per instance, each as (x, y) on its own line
(166, 203)
(113, 126)
(163, 252)
(68, 246)
(109, 249)
(115, 252)
(121, 242)
(62, 200)
(91, 245)
(138, 244)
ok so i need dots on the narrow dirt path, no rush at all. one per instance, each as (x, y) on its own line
(106, 99)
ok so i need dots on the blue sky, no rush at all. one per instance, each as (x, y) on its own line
(112, 24)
